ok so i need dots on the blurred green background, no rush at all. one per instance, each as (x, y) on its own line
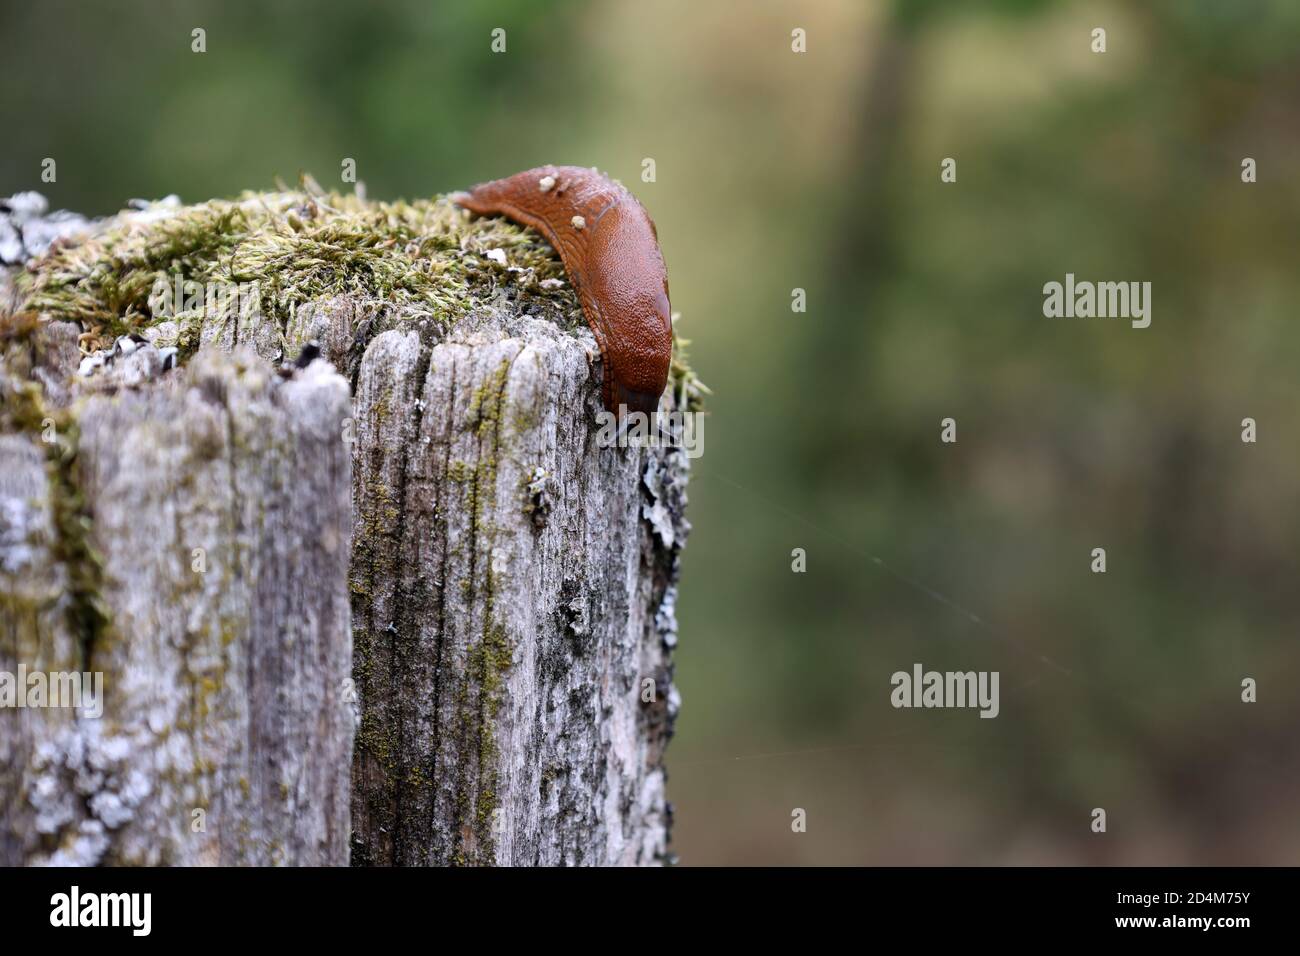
(820, 171)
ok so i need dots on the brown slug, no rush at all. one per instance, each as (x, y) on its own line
(610, 250)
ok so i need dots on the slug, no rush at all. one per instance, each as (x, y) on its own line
(610, 250)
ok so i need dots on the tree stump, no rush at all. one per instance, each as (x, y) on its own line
(435, 620)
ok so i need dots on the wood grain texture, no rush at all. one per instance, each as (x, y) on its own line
(437, 619)
(510, 597)
(223, 687)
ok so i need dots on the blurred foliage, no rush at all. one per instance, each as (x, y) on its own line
(821, 171)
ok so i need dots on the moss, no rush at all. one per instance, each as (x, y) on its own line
(376, 741)
(524, 418)
(492, 655)
(490, 659)
(421, 259)
(381, 409)
(460, 471)
(374, 525)
(688, 391)
(25, 411)
(478, 697)
(486, 401)
(294, 246)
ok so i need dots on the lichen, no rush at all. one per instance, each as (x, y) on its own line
(25, 410)
(423, 259)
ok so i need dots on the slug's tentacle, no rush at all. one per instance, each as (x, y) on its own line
(610, 250)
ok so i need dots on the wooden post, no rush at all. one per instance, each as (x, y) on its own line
(448, 567)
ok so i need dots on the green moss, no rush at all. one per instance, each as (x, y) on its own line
(492, 655)
(485, 401)
(425, 257)
(422, 258)
(25, 411)
(688, 391)
(460, 471)
(377, 742)
(206, 687)
(381, 409)
(524, 418)
(295, 246)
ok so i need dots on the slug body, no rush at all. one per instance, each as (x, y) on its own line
(610, 251)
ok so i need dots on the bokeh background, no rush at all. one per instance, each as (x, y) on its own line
(820, 171)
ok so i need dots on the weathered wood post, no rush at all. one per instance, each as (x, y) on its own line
(449, 569)
(187, 539)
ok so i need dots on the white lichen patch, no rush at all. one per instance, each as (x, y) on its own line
(665, 479)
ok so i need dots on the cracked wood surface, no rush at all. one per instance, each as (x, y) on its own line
(225, 734)
(500, 589)
(510, 599)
